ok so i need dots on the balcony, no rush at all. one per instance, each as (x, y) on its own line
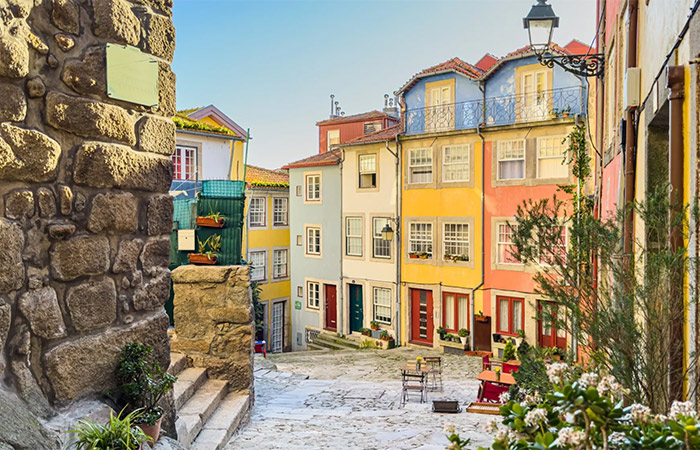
(497, 111)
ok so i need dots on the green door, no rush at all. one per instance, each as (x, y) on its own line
(355, 307)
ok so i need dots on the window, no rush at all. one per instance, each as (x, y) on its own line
(368, 171)
(420, 165)
(372, 127)
(300, 240)
(313, 294)
(257, 211)
(279, 211)
(551, 158)
(505, 246)
(381, 248)
(511, 160)
(280, 268)
(510, 315)
(557, 251)
(455, 311)
(455, 241)
(455, 163)
(258, 262)
(313, 241)
(313, 188)
(420, 240)
(300, 291)
(298, 189)
(353, 236)
(382, 305)
(333, 138)
(184, 162)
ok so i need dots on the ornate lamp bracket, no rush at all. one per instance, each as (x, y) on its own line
(592, 65)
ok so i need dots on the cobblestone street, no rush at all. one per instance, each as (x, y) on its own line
(351, 400)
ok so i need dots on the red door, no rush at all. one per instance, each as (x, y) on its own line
(331, 307)
(549, 332)
(421, 316)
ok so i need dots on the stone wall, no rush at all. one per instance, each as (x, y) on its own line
(214, 321)
(84, 209)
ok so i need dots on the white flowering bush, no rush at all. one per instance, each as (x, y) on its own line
(586, 412)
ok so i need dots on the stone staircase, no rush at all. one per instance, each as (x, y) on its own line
(207, 413)
(330, 341)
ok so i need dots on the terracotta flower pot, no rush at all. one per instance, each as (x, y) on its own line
(152, 431)
(200, 258)
(203, 221)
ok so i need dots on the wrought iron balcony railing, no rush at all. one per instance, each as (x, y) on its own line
(506, 110)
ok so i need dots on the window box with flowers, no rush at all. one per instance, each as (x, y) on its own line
(453, 343)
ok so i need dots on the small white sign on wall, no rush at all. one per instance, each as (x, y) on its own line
(185, 240)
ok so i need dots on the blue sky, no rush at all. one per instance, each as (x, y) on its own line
(271, 65)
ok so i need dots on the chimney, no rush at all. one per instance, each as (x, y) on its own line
(335, 108)
(391, 106)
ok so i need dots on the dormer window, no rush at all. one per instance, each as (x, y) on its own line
(372, 127)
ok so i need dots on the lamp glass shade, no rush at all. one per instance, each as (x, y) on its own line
(387, 233)
(540, 32)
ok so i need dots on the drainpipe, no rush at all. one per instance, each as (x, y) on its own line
(675, 81)
(397, 234)
(483, 199)
(631, 138)
(340, 293)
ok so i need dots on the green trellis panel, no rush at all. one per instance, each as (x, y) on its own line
(232, 233)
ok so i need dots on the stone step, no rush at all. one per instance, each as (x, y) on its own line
(195, 413)
(227, 418)
(328, 345)
(178, 363)
(188, 381)
(343, 341)
(313, 347)
(328, 340)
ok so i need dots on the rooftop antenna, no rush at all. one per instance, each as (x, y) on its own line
(332, 97)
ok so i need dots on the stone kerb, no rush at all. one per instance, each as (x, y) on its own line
(214, 321)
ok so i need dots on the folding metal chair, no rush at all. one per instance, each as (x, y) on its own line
(414, 383)
(435, 374)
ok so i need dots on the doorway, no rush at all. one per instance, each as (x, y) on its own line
(550, 333)
(356, 308)
(277, 332)
(422, 316)
(331, 307)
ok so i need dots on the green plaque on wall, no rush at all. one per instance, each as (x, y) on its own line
(297, 305)
(132, 76)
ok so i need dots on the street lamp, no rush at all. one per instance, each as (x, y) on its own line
(540, 24)
(387, 233)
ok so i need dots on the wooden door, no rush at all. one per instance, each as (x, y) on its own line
(331, 307)
(356, 309)
(549, 330)
(277, 327)
(534, 91)
(421, 316)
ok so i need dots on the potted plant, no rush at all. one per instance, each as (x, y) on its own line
(565, 112)
(206, 250)
(423, 255)
(140, 386)
(374, 325)
(441, 332)
(118, 434)
(463, 335)
(509, 350)
(480, 317)
(419, 362)
(365, 331)
(413, 255)
(211, 220)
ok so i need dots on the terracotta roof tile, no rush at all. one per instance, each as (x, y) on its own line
(486, 62)
(378, 136)
(259, 177)
(357, 117)
(578, 48)
(454, 65)
(329, 158)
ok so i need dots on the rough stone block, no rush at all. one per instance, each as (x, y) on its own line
(14, 56)
(85, 366)
(29, 389)
(65, 41)
(154, 294)
(47, 202)
(157, 135)
(108, 165)
(127, 256)
(189, 274)
(5, 321)
(92, 305)
(36, 42)
(80, 201)
(166, 83)
(156, 253)
(66, 199)
(115, 20)
(13, 107)
(89, 118)
(87, 75)
(82, 255)
(65, 14)
(61, 230)
(36, 87)
(11, 266)
(160, 215)
(163, 6)
(118, 213)
(159, 36)
(27, 155)
(19, 204)
(238, 371)
(21, 429)
(40, 307)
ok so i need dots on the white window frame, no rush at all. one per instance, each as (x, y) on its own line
(282, 210)
(307, 184)
(252, 210)
(180, 154)
(564, 247)
(562, 156)
(329, 146)
(367, 172)
(276, 263)
(313, 295)
(411, 166)
(413, 243)
(446, 239)
(499, 159)
(255, 269)
(467, 162)
(314, 230)
(378, 239)
(375, 304)
(349, 236)
(500, 243)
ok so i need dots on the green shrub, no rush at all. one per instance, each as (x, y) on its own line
(463, 332)
(368, 344)
(118, 434)
(509, 350)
